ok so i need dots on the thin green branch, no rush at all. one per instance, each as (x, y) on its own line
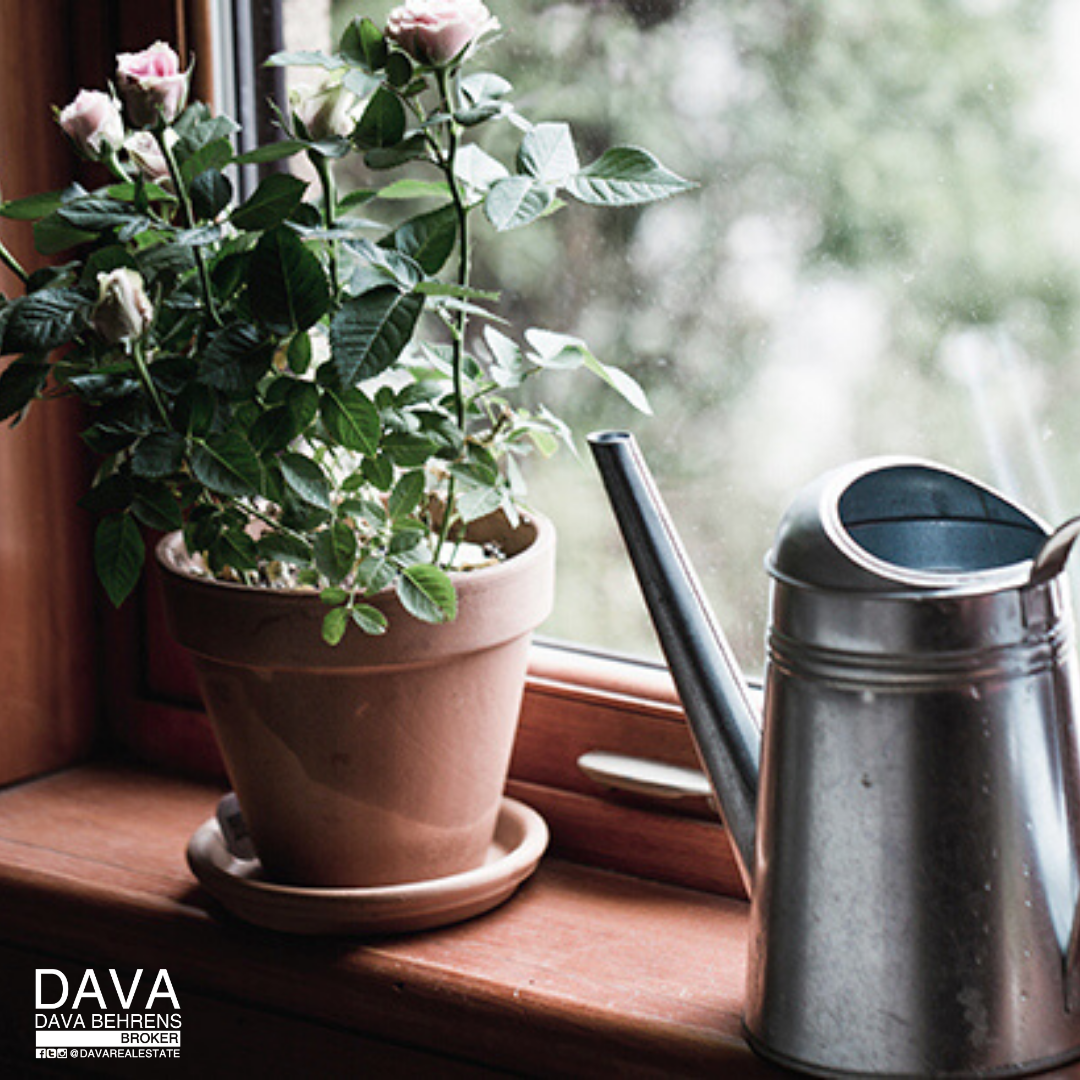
(448, 163)
(148, 383)
(13, 264)
(329, 190)
(189, 221)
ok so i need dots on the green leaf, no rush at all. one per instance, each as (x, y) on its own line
(226, 463)
(559, 351)
(299, 353)
(212, 157)
(272, 203)
(275, 151)
(20, 383)
(414, 148)
(410, 188)
(363, 44)
(334, 595)
(547, 153)
(379, 472)
(427, 593)
(370, 619)
(102, 261)
(377, 267)
(273, 430)
(406, 450)
(118, 555)
(399, 70)
(484, 86)
(552, 350)
(201, 236)
(33, 207)
(51, 236)
(623, 383)
(477, 169)
(382, 123)
(202, 528)
(351, 419)
(284, 547)
(428, 239)
(374, 574)
(44, 320)
(197, 127)
(307, 480)
(369, 332)
(235, 359)
(286, 282)
(516, 201)
(305, 58)
(96, 213)
(156, 507)
(158, 455)
(335, 623)
(210, 194)
(302, 401)
(510, 368)
(196, 409)
(233, 548)
(478, 502)
(335, 552)
(625, 176)
(406, 495)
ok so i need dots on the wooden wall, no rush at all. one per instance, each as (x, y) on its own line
(50, 650)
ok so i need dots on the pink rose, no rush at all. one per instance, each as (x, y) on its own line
(93, 123)
(436, 31)
(152, 84)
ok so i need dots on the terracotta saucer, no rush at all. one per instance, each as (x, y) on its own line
(521, 836)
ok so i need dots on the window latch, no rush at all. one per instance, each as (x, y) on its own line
(645, 777)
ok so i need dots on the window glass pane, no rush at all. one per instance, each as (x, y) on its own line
(880, 258)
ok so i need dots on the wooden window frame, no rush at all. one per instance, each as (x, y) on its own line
(91, 863)
(145, 702)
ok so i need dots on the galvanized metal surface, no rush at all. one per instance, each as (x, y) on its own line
(916, 873)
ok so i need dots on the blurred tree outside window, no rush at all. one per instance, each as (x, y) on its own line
(882, 258)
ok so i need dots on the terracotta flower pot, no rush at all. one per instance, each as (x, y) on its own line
(381, 760)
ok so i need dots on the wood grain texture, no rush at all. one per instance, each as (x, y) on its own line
(585, 973)
(49, 648)
(46, 629)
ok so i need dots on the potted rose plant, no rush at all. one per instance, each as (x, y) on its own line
(321, 411)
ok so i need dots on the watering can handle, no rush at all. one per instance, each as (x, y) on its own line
(1052, 556)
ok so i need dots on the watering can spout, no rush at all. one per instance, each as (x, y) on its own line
(713, 692)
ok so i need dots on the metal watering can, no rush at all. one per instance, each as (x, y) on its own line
(907, 819)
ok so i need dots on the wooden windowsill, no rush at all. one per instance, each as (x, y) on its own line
(584, 972)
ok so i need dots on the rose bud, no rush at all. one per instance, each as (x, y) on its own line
(152, 84)
(123, 312)
(93, 123)
(144, 151)
(436, 31)
(325, 112)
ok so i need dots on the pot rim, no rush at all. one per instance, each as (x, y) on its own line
(170, 552)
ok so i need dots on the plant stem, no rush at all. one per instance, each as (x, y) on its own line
(464, 264)
(448, 164)
(12, 264)
(326, 178)
(148, 383)
(189, 221)
(113, 164)
(267, 520)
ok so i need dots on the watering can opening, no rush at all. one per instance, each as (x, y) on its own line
(923, 519)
